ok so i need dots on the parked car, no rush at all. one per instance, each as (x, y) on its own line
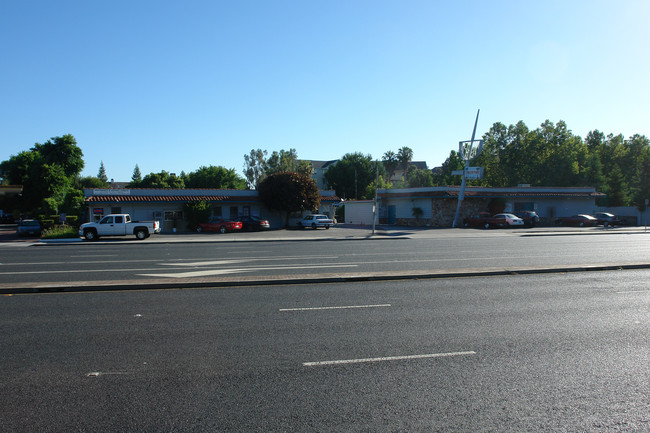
(118, 225)
(581, 220)
(315, 221)
(531, 219)
(506, 220)
(481, 219)
(218, 225)
(7, 218)
(29, 227)
(608, 219)
(252, 222)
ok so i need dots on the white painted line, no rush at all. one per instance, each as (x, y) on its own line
(232, 271)
(345, 307)
(102, 373)
(243, 260)
(386, 358)
(634, 291)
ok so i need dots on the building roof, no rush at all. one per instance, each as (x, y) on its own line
(485, 192)
(155, 195)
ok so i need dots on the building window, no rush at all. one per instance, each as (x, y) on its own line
(173, 215)
(116, 210)
(234, 212)
(216, 211)
(246, 211)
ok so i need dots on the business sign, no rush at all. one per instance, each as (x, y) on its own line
(474, 173)
(471, 173)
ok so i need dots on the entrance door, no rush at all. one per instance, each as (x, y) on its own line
(391, 214)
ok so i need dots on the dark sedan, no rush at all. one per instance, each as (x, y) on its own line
(581, 220)
(252, 222)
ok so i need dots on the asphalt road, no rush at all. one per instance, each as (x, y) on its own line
(310, 256)
(556, 352)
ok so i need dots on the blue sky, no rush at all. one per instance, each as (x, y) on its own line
(177, 85)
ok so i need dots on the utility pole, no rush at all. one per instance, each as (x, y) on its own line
(374, 206)
(467, 152)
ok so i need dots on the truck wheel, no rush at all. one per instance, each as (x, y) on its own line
(327, 227)
(91, 235)
(313, 225)
(222, 229)
(141, 234)
(487, 225)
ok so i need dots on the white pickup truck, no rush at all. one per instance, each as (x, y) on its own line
(118, 225)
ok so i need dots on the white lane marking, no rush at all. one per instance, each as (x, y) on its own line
(231, 271)
(345, 307)
(231, 261)
(387, 358)
(104, 373)
(78, 271)
(634, 291)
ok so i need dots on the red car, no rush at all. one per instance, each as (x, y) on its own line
(219, 225)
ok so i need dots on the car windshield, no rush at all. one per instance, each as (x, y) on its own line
(29, 223)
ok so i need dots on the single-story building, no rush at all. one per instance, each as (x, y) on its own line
(436, 206)
(166, 205)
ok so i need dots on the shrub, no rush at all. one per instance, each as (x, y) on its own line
(60, 232)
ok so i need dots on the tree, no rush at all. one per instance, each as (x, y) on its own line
(197, 212)
(102, 172)
(214, 177)
(91, 182)
(390, 163)
(46, 172)
(351, 176)
(136, 177)
(287, 161)
(420, 178)
(442, 176)
(255, 167)
(289, 192)
(405, 156)
(161, 180)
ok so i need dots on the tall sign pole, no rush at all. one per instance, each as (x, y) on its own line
(467, 152)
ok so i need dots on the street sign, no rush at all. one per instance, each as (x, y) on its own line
(472, 173)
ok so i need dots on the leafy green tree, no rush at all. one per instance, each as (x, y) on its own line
(287, 161)
(196, 212)
(214, 177)
(419, 178)
(289, 192)
(102, 173)
(161, 180)
(46, 172)
(255, 167)
(62, 151)
(351, 176)
(91, 182)
(443, 176)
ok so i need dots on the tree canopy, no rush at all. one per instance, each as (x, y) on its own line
(289, 192)
(351, 176)
(47, 172)
(214, 177)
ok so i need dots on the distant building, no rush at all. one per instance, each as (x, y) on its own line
(320, 167)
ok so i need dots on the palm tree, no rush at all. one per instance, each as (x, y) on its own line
(390, 162)
(404, 156)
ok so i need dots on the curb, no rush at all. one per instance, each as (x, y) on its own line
(86, 286)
